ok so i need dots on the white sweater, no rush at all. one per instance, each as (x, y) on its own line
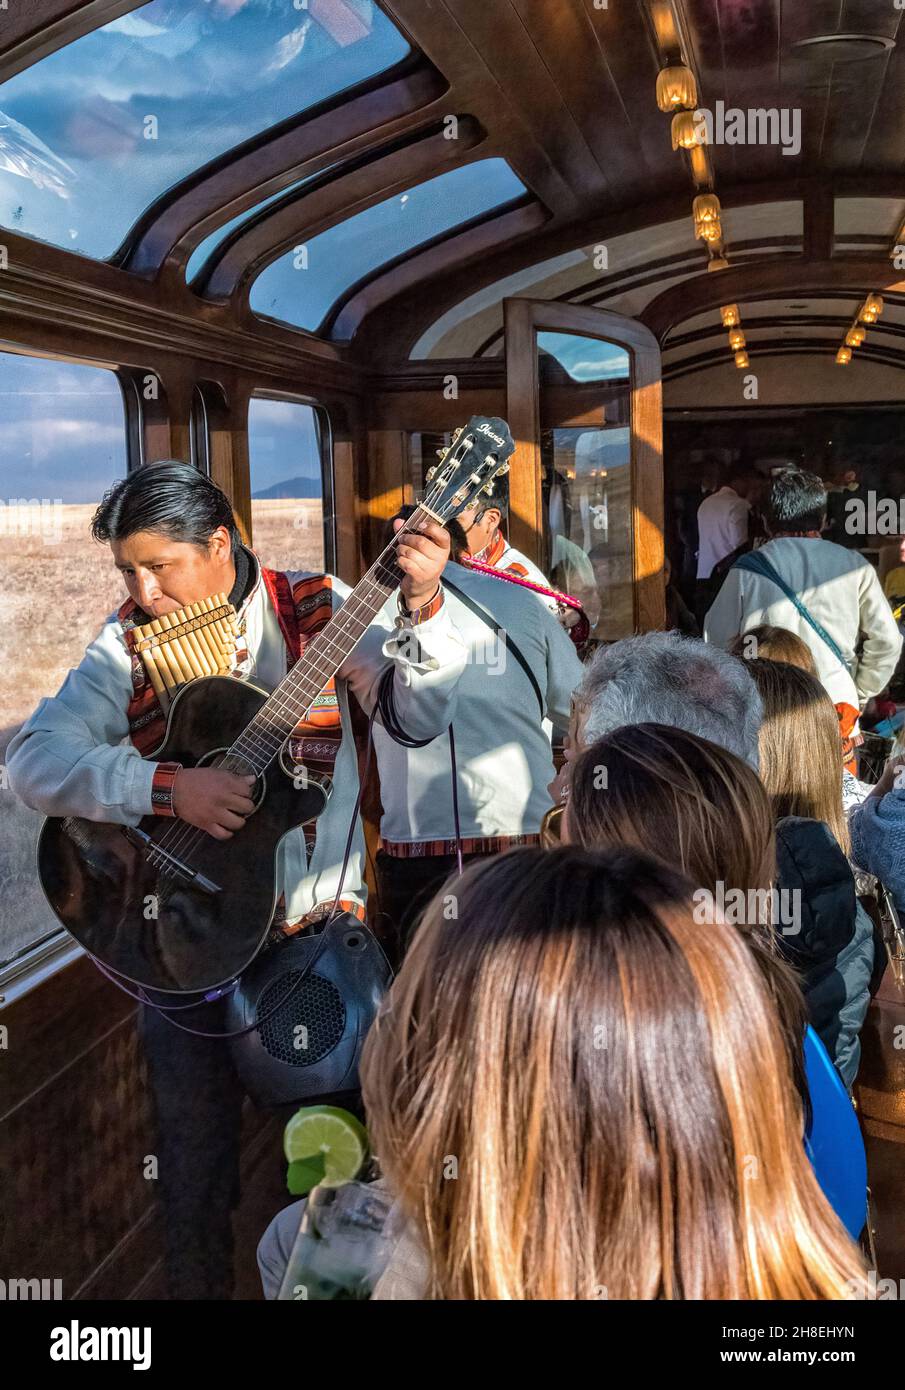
(73, 756)
(503, 754)
(840, 589)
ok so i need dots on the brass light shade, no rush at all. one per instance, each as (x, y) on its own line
(737, 339)
(717, 263)
(855, 337)
(708, 231)
(843, 356)
(730, 315)
(687, 132)
(706, 208)
(741, 359)
(676, 87)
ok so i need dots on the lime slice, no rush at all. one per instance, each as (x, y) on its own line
(329, 1133)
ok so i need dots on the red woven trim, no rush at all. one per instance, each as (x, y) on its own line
(162, 788)
(492, 552)
(476, 844)
(512, 577)
(279, 591)
(425, 612)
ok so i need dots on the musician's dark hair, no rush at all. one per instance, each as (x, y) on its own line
(172, 498)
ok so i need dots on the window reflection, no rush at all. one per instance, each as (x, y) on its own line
(585, 403)
(92, 134)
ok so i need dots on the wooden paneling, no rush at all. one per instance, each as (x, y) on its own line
(523, 319)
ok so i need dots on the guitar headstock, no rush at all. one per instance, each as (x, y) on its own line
(478, 454)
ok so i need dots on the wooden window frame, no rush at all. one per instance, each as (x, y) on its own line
(523, 320)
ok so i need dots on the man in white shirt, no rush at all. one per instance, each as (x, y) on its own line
(722, 528)
(836, 586)
(503, 757)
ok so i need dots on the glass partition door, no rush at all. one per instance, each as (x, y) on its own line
(586, 486)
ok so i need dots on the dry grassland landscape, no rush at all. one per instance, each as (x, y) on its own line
(56, 592)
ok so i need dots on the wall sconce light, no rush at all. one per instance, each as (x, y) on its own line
(730, 315)
(741, 359)
(687, 133)
(844, 356)
(737, 338)
(676, 87)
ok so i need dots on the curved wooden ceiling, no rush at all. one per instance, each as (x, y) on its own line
(565, 93)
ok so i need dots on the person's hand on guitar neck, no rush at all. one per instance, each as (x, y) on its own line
(422, 557)
(213, 800)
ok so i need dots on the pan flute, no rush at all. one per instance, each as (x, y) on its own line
(198, 640)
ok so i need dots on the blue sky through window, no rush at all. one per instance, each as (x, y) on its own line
(300, 288)
(62, 430)
(92, 134)
(585, 359)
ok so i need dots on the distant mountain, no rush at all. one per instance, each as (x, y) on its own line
(290, 487)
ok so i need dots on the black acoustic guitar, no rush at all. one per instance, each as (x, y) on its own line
(166, 905)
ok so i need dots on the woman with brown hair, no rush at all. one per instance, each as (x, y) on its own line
(700, 810)
(833, 948)
(576, 1093)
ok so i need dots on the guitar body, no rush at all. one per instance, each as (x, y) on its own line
(154, 923)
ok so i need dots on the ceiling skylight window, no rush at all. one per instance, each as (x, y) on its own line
(303, 284)
(91, 135)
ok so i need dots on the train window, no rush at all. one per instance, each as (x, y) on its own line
(290, 516)
(98, 130)
(585, 403)
(62, 444)
(300, 287)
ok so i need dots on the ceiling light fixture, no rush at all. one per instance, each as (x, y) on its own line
(687, 132)
(844, 356)
(676, 87)
(730, 315)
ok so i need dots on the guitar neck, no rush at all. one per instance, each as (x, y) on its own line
(262, 739)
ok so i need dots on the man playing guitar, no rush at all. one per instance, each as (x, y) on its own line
(83, 754)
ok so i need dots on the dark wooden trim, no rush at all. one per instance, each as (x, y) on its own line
(254, 247)
(784, 347)
(462, 246)
(336, 131)
(33, 29)
(523, 319)
(769, 279)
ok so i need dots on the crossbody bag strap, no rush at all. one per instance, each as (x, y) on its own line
(757, 563)
(506, 637)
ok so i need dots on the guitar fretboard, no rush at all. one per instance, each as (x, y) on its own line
(260, 742)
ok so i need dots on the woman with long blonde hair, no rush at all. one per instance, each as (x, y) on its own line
(833, 947)
(576, 1092)
(800, 761)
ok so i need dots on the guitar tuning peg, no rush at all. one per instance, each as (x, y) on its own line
(430, 473)
(503, 468)
(441, 453)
